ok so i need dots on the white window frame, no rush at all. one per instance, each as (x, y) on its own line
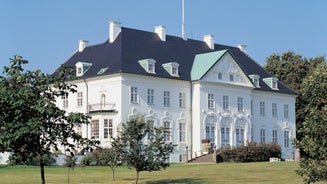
(182, 100)
(211, 104)
(150, 97)
(240, 106)
(64, 102)
(181, 129)
(134, 95)
(262, 136)
(225, 103)
(275, 136)
(79, 99)
(166, 99)
(240, 132)
(107, 128)
(95, 129)
(286, 111)
(167, 126)
(274, 109)
(225, 136)
(262, 108)
(286, 139)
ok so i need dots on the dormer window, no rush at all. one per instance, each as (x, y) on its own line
(102, 70)
(148, 65)
(171, 68)
(81, 68)
(255, 79)
(272, 82)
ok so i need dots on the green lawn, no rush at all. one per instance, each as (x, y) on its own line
(273, 173)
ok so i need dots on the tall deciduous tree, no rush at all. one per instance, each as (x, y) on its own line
(30, 122)
(313, 143)
(143, 146)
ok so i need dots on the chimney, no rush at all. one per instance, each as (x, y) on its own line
(161, 32)
(208, 38)
(114, 30)
(82, 44)
(242, 47)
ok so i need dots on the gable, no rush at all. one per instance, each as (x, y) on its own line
(225, 70)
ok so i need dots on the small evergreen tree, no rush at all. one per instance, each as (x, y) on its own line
(139, 152)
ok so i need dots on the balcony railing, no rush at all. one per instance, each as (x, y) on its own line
(102, 107)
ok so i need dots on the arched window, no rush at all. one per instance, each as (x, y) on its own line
(103, 100)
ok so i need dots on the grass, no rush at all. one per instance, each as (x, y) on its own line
(231, 173)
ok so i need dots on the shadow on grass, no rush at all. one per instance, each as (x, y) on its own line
(176, 181)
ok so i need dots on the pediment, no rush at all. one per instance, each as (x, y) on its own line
(227, 70)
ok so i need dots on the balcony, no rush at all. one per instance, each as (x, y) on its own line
(102, 107)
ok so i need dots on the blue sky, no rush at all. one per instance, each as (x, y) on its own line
(47, 32)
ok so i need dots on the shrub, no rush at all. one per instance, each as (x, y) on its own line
(253, 152)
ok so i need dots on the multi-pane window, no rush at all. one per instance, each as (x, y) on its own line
(210, 133)
(79, 71)
(262, 108)
(262, 136)
(239, 136)
(225, 136)
(95, 129)
(210, 101)
(285, 110)
(274, 84)
(79, 99)
(167, 130)
(107, 128)
(150, 99)
(166, 98)
(181, 129)
(274, 136)
(225, 103)
(134, 95)
(286, 139)
(182, 100)
(274, 109)
(151, 129)
(64, 102)
(240, 104)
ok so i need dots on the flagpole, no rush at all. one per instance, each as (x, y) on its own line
(183, 25)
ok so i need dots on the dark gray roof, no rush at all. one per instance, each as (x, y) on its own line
(133, 45)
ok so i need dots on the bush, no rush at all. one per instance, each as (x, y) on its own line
(17, 160)
(253, 152)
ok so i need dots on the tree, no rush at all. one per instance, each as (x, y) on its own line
(31, 125)
(108, 156)
(313, 143)
(139, 152)
(292, 69)
(70, 163)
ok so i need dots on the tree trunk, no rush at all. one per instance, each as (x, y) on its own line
(42, 170)
(113, 174)
(137, 177)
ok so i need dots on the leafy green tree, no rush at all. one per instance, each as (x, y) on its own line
(31, 125)
(139, 152)
(292, 69)
(313, 164)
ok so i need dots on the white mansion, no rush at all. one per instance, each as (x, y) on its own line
(197, 89)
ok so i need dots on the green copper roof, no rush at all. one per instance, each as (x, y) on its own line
(203, 62)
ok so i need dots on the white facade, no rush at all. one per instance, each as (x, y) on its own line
(231, 119)
(205, 96)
